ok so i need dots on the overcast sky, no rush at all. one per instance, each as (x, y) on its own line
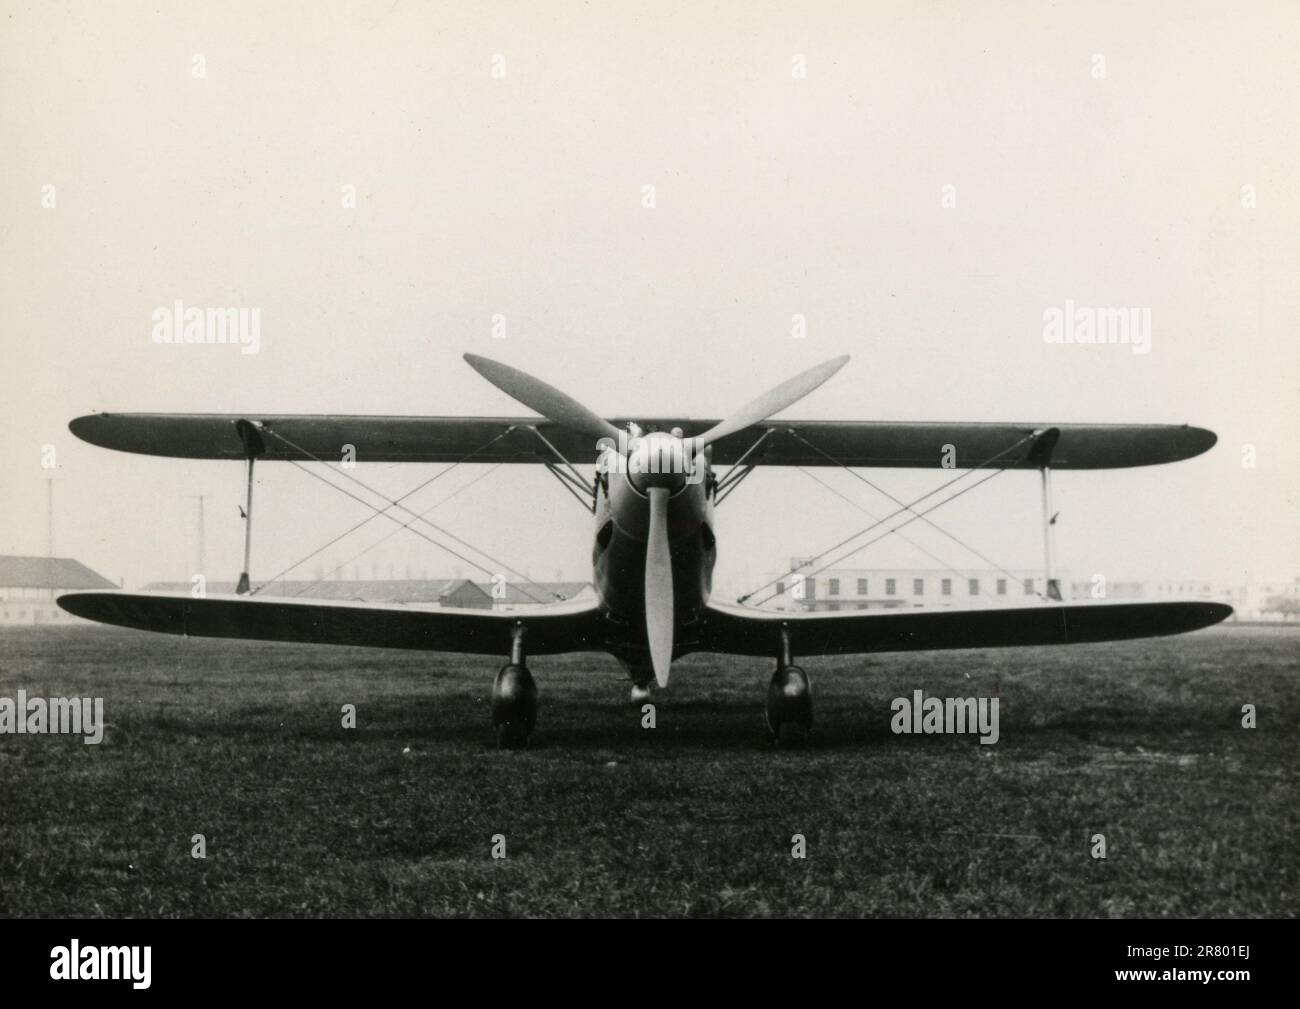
(1138, 155)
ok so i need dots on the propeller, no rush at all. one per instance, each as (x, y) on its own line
(545, 399)
(659, 586)
(773, 401)
(567, 412)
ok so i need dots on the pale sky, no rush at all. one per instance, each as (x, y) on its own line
(1098, 153)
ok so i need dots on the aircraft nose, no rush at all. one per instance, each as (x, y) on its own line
(658, 460)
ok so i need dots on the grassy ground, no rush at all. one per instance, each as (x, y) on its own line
(1139, 741)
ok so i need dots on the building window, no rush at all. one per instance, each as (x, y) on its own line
(862, 586)
(834, 606)
(1029, 586)
(945, 586)
(780, 588)
(891, 586)
(1002, 586)
(835, 587)
(918, 586)
(974, 586)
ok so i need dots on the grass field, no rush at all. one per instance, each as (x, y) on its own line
(1139, 741)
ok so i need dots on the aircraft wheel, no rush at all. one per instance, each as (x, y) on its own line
(789, 706)
(514, 706)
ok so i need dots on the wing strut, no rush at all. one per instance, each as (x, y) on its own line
(880, 490)
(392, 503)
(1041, 454)
(910, 506)
(251, 436)
(740, 469)
(569, 477)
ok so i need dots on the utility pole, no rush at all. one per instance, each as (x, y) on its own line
(49, 535)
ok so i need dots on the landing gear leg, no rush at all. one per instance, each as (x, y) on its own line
(251, 436)
(514, 698)
(789, 700)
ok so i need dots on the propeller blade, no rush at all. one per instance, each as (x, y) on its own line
(659, 586)
(545, 399)
(774, 401)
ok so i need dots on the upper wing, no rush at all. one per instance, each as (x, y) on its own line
(450, 439)
(742, 631)
(564, 627)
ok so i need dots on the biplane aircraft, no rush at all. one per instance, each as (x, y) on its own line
(654, 495)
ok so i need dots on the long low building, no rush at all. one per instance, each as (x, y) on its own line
(895, 588)
(29, 586)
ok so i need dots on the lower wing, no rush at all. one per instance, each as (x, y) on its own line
(559, 628)
(743, 631)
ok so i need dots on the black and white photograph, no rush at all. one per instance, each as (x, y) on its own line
(651, 460)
